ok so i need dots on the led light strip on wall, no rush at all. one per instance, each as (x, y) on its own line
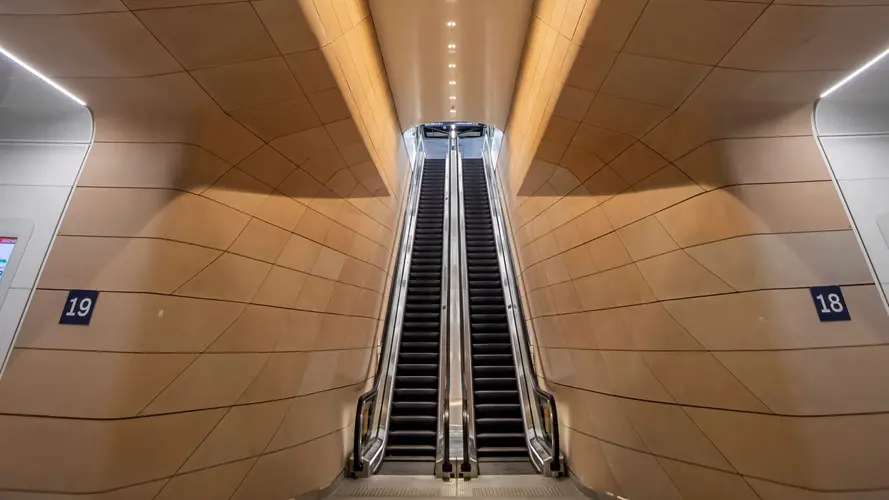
(855, 73)
(41, 76)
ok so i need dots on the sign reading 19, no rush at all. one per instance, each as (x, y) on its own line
(79, 307)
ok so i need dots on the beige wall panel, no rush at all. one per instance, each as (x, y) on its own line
(668, 431)
(156, 448)
(699, 483)
(144, 491)
(216, 483)
(702, 379)
(127, 322)
(259, 328)
(239, 191)
(822, 38)
(281, 210)
(637, 163)
(779, 319)
(310, 67)
(61, 6)
(729, 162)
(785, 260)
(268, 166)
(174, 166)
(608, 252)
(315, 415)
(157, 4)
(730, 103)
(639, 474)
(627, 116)
(211, 381)
(210, 35)
(772, 491)
(292, 471)
(152, 213)
(168, 108)
(280, 288)
(241, 85)
(230, 277)
(294, 26)
(652, 327)
(276, 119)
(260, 241)
(245, 431)
(653, 80)
(87, 38)
(823, 453)
(691, 30)
(631, 377)
(590, 464)
(814, 382)
(123, 264)
(677, 274)
(603, 143)
(86, 384)
(752, 209)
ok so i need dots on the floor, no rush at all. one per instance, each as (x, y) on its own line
(529, 487)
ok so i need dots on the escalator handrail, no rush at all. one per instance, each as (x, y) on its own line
(394, 286)
(555, 464)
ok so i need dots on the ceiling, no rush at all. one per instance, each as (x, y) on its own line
(489, 37)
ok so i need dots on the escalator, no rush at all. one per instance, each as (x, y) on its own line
(499, 426)
(413, 420)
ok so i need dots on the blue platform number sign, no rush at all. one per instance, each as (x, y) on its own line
(79, 307)
(829, 303)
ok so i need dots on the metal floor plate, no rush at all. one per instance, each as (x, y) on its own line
(524, 487)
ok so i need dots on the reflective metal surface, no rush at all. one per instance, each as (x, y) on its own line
(538, 406)
(456, 392)
(443, 465)
(469, 460)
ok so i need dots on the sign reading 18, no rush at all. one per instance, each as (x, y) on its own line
(829, 303)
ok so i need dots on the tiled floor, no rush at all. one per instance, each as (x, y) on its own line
(484, 487)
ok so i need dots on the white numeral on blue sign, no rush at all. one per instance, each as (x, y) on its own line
(83, 309)
(835, 304)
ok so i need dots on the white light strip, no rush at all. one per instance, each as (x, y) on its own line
(41, 76)
(854, 74)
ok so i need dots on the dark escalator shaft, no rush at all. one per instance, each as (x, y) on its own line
(414, 412)
(498, 416)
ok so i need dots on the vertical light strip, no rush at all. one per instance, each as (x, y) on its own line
(41, 76)
(854, 74)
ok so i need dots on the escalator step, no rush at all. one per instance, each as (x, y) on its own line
(497, 407)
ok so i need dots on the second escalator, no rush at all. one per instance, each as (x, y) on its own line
(499, 426)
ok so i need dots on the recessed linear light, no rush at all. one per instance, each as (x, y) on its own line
(453, 111)
(452, 46)
(453, 98)
(451, 24)
(41, 76)
(855, 73)
(452, 65)
(452, 82)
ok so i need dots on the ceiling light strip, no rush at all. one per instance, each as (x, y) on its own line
(41, 76)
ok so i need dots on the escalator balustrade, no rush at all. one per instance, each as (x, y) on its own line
(414, 412)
